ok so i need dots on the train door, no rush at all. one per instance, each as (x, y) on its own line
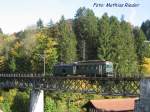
(100, 70)
(64, 71)
(74, 69)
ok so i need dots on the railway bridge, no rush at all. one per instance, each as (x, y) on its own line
(112, 86)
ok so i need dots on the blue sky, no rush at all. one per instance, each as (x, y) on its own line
(16, 15)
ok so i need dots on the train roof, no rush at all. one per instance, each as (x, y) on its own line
(64, 64)
(84, 62)
(93, 61)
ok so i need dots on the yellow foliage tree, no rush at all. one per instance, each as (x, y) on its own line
(44, 45)
(1, 99)
(146, 66)
(14, 51)
(2, 63)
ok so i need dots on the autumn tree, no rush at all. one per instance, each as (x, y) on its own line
(45, 47)
(3, 64)
(19, 61)
(146, 66)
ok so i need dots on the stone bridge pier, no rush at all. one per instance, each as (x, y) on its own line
(143, 104)
(36, 101)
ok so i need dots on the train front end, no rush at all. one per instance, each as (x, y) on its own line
(109, 69)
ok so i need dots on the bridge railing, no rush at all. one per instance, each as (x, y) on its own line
(21, 75)
(100, 85)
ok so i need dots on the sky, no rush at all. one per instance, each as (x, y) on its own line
(16, 15)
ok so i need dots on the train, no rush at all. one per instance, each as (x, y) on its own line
(90, 68)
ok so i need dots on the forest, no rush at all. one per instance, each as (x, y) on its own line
(85, 37)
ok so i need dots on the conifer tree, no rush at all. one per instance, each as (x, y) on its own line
(40, 24)
(66, 42)
(85, 26)
(1, 32)
(140, 47)
(129, 55)
(116, 44)
(146, 28)
(104, 46)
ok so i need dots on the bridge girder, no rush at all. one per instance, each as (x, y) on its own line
(97, 85)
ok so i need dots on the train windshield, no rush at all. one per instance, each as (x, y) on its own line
(109, 66)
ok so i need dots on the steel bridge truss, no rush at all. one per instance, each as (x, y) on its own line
(104, 86)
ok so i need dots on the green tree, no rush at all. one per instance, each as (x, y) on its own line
(5, 47)
(40, 24)
(19, 61)
(66, 42)
(129, 60)
(8, 98)
(27, 33)
(52, 30)
(116, 44)
(139, 39)
(50, 105)
(104, 39)
(85, 26)
(50, 24)
(146, 28)
(21, 102)
(1, 31)
(12, 65)
(5, 106)
(114, 37)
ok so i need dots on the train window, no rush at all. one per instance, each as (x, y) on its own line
(63, 71)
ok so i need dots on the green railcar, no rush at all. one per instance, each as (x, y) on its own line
(64, 69)
(95, 68)
(86, 68)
